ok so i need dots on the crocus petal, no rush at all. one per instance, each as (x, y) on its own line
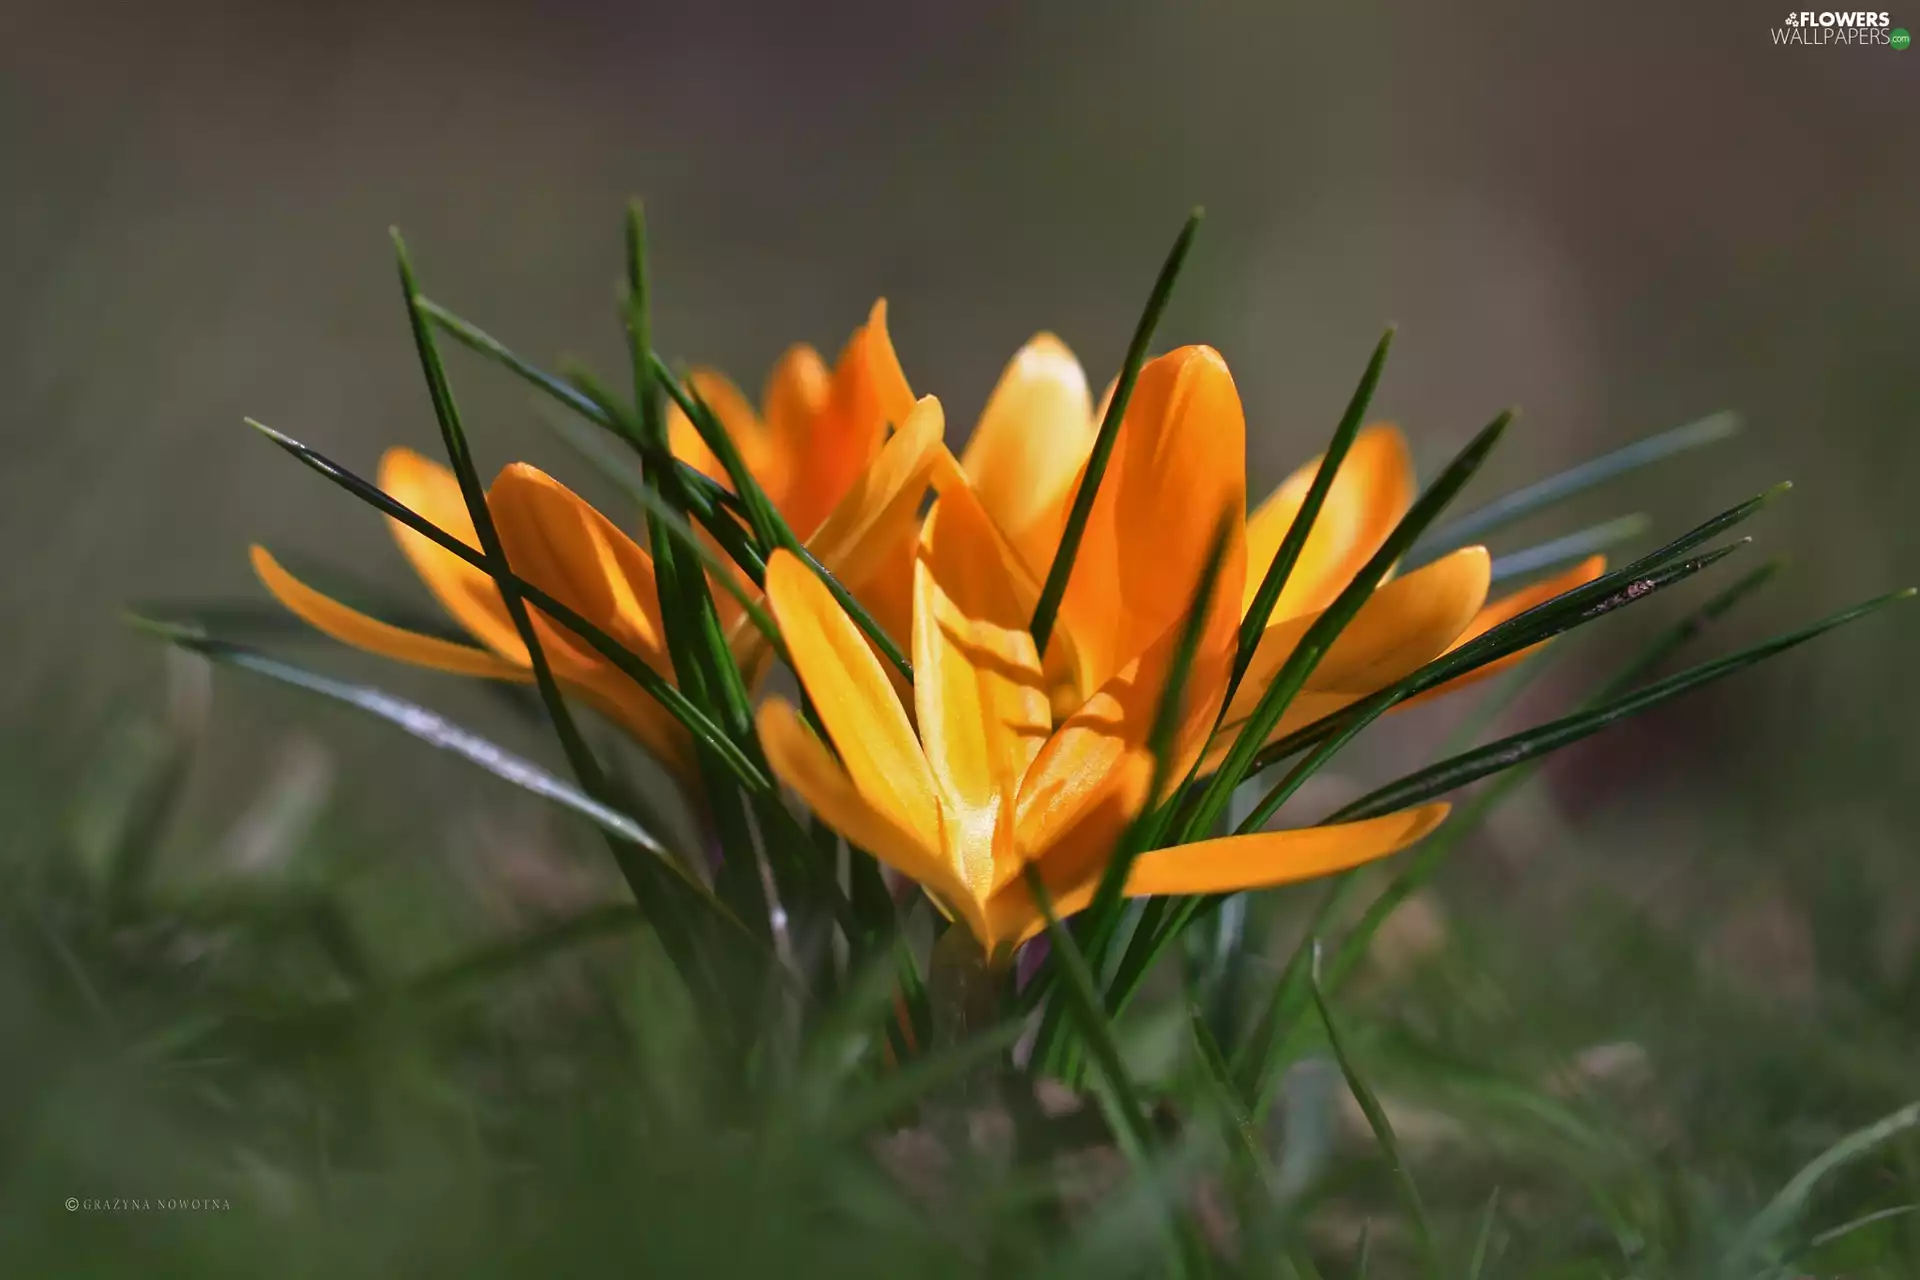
(350, 626)
(1027, 452)
(868, 542)
(1180, 458)
(890, 384)
(803, 762)
(850, 691)
(737, 419)
(1267, 858)
(795, 394)
(1078, 843)
(1372, 491)
(865, 391)
(465, 592)
(1512, 606)
(555, 540)
(1404, 624)
(982, 702)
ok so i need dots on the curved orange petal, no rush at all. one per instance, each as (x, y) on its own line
(1078, 843)
(982, 702)
(1027, 451)
(857, 705)
(464, 591)
(1372, 490)
(615, 695)
(890, 384)
(1512, 606)
(555, 540)
(1267, 858)
(796, 392)
(868, 542)
(1403, 625)
(1180, 458)
(850, 426)
(737, 419)
(350, 626)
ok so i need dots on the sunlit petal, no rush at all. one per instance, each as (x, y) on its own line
(350, 626)
(1267, 858)
(465, 592)
(850, 691)
(983, 710)
(1179, 460)
(1372, 491)
(803, 762)
(1403, 625)
(1026, 453)
(559, 543)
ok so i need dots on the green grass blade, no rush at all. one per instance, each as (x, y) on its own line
(692, 717)
(1275, 581)
(1790, 1202)
(1478, 1263)
(1126, 1112)
(1319, 638)
(1559, 553)
(1558, 488)
(1047, 610)
(1383, 1132)
(559, 389)
(428, 726)
(473, 490)
(1245, 1129)
(926, 1075)
(1437, 779)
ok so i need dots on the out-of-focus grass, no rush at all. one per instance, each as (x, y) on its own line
(1625, 1088)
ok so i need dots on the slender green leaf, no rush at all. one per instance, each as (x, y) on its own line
(1557, 488)
(1787, 1206)
(1383, 1132)
(1478, 1263)
(1055, 588)
(926, 1075)
(1254, 625)
(1126, 1112)
(1437, 779)
(428, 726)
(1558, 553)
(1245, 1129)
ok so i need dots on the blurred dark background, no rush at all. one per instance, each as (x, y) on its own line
(1619, 219)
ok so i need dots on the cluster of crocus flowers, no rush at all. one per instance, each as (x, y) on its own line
(1009, 762)
(999, 759)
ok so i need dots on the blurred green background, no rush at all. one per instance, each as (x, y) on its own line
(1620, 219)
